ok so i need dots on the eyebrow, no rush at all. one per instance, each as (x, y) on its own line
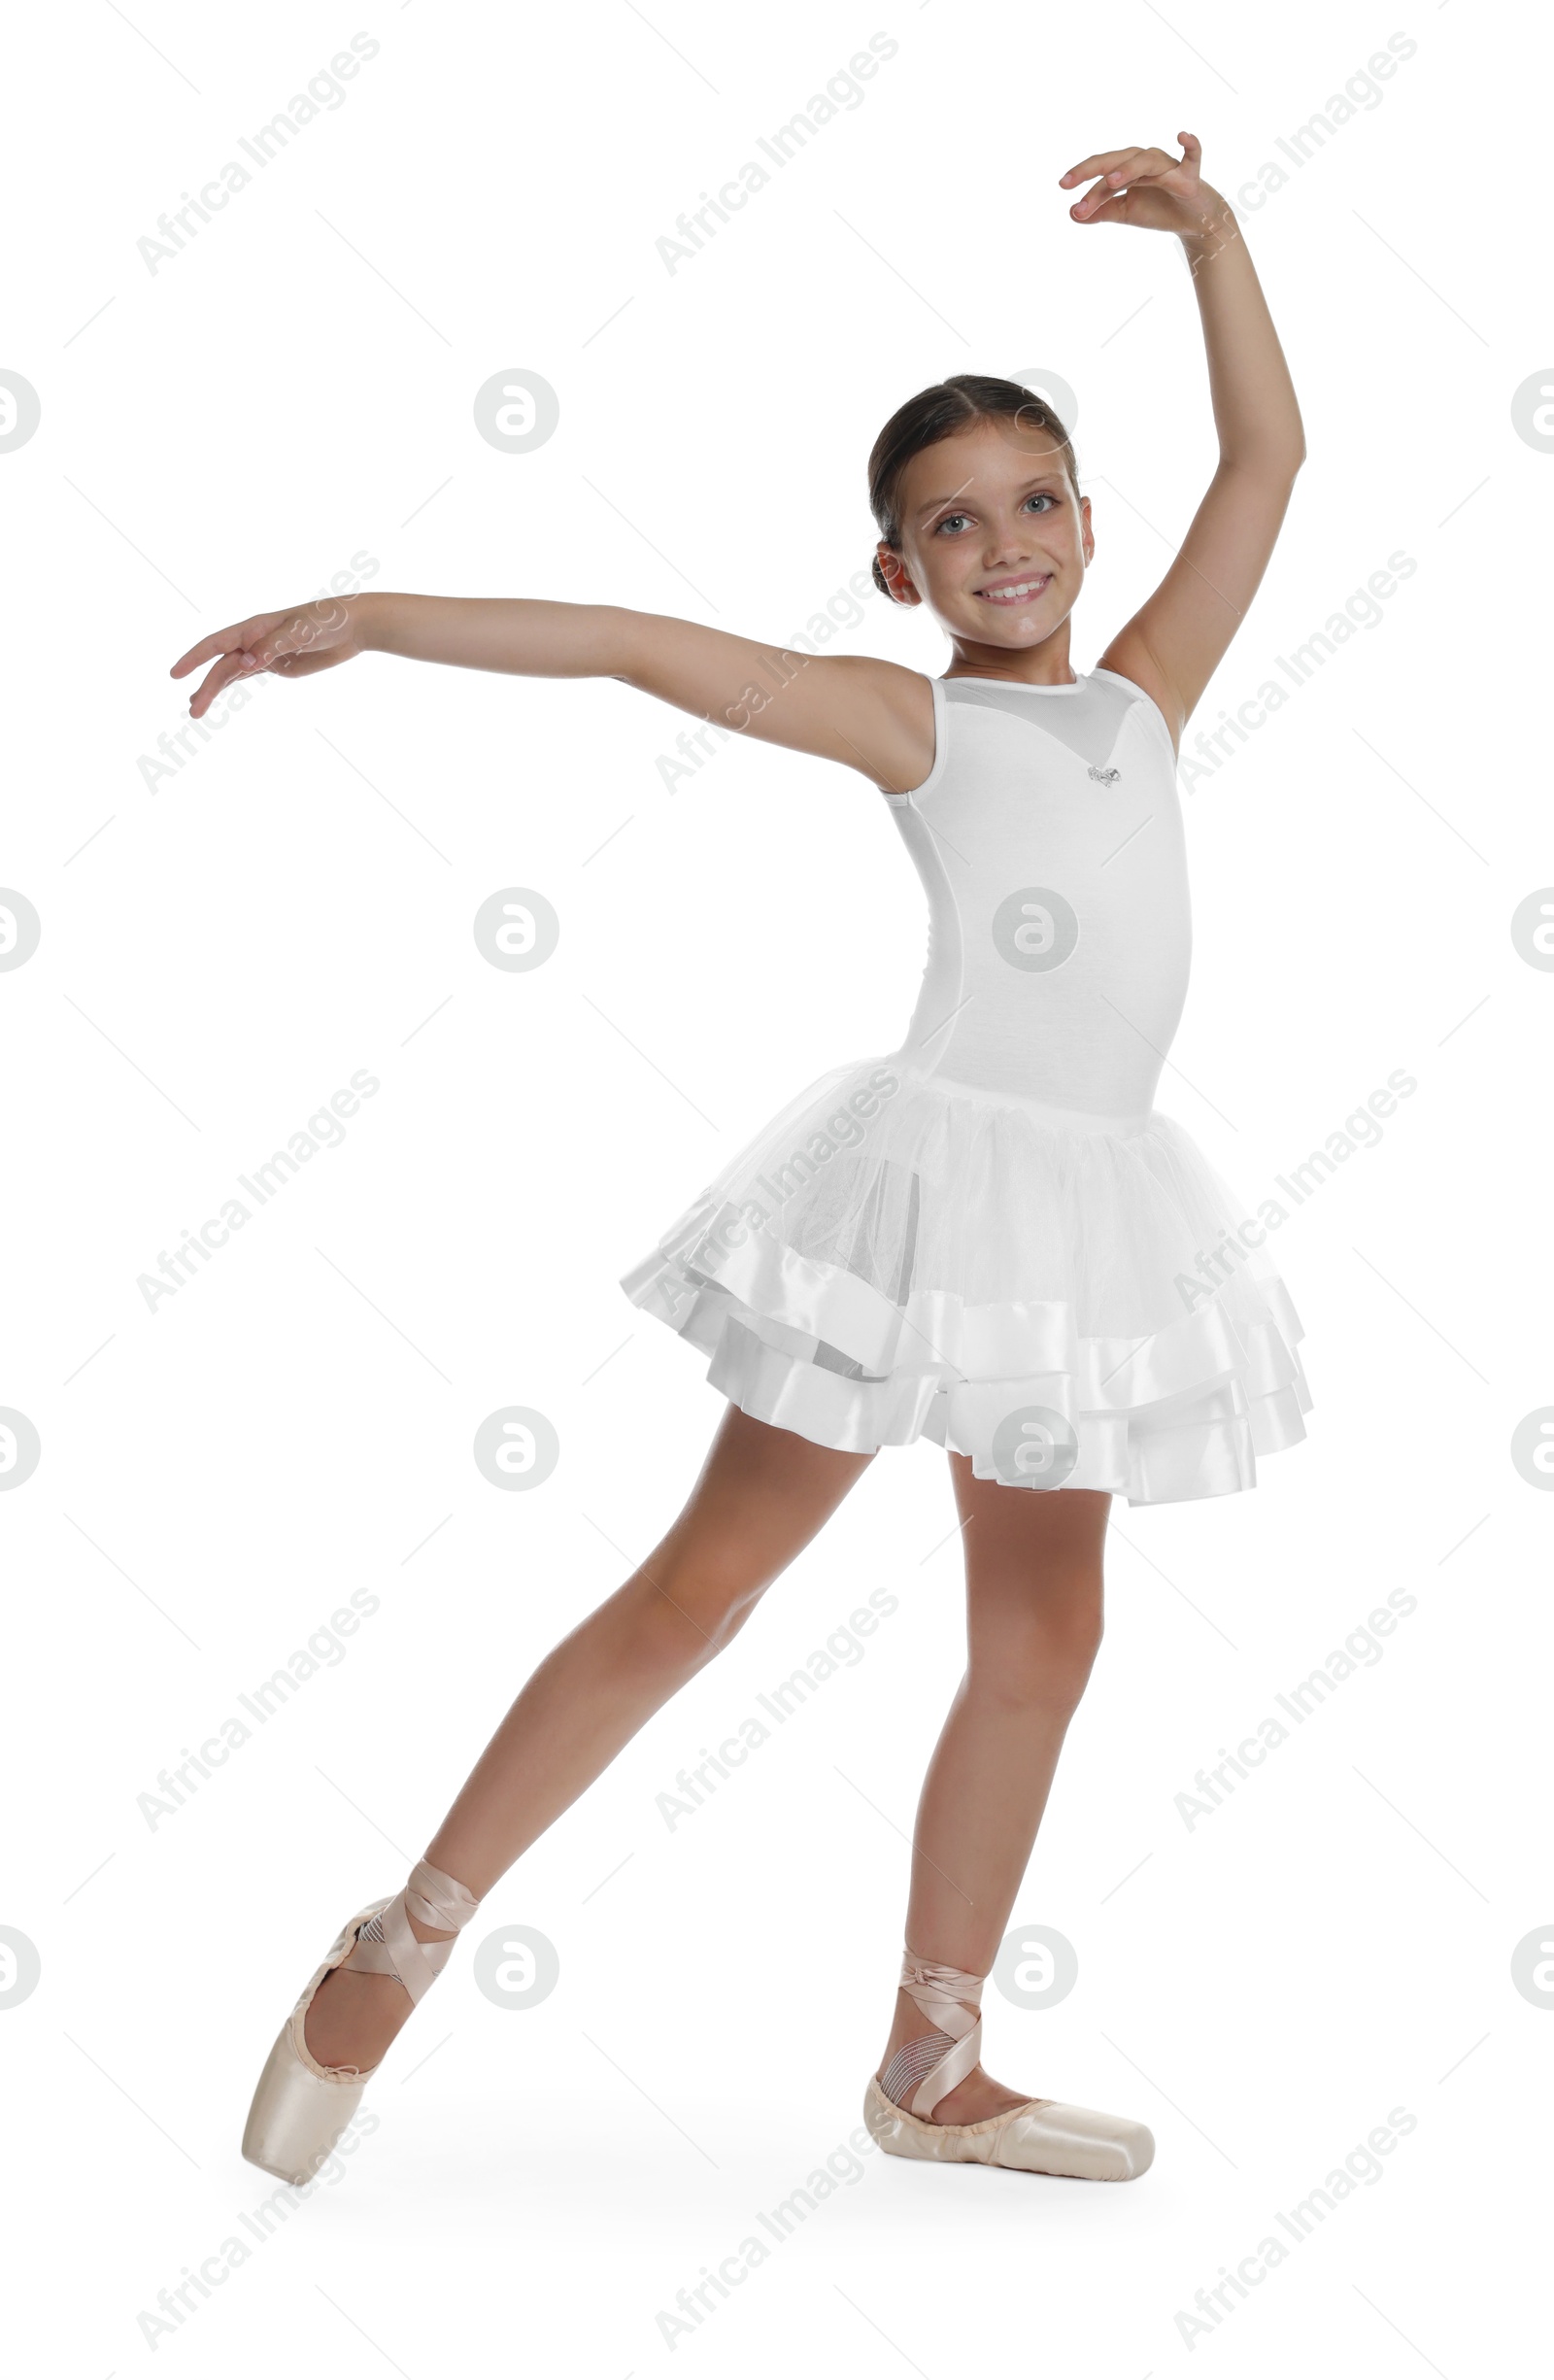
(1041, 480)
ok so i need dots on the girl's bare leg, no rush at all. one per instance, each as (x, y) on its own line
(1033, 1624)
(761, 1496)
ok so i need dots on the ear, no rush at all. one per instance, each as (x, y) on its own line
(1087, 535)
(897, 578)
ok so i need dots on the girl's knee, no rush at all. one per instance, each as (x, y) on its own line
(689, 1612)
(1046, 1659)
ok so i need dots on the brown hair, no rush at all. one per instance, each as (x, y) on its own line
(937, 413)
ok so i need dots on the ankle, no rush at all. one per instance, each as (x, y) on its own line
(907, 2024)
(412, 1936)
(428, 1934)
(935, 2041)
(351, 1964)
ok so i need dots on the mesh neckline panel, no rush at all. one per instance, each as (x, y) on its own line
(1087, 722)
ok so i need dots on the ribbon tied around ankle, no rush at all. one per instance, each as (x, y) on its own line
(432, 1898)
(438, 1900)
(939, 1991)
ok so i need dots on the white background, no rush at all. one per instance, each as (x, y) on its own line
(220, 953)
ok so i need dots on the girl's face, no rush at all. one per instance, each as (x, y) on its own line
(993, 539)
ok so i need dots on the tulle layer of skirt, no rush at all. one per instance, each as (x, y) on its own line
(1071, 1302)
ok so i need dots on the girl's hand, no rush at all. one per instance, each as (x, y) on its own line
(1150, 187)
(289, 643)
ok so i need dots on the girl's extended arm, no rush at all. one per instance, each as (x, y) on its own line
(870, 715)
(1174, 643)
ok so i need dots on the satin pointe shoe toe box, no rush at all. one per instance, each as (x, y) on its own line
(300, 2108)
(1046, 2136)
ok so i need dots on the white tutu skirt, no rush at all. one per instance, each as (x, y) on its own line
(1067, 1306)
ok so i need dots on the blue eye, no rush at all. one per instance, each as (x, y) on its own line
(1042, 495)
(948, 519)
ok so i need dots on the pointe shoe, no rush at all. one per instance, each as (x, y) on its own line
(1041, 2136)
(300, 2108)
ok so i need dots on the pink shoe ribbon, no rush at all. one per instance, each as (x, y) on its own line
(434, 1899)
(939, 1991)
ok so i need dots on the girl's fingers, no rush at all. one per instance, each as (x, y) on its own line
(1112, 185)
(1121, 166)
(231, 665)
(267, 633)
(223, 641)
(1111, 208)
(289, 643)
(1139, 172)
(1101, 163)
(1144, 165)
(1099, 189)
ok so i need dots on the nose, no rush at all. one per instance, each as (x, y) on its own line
(1010, 540)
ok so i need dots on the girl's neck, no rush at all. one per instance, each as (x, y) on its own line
(1046, 665)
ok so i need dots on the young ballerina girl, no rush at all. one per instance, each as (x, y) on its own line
(987, 1237)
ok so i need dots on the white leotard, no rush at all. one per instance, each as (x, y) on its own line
(1048, 835)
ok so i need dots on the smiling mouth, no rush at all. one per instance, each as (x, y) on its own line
(1015, 591)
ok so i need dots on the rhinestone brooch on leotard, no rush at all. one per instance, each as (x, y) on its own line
(1105, 776)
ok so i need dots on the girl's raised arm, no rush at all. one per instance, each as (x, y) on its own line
(1174, 643)
(870, 715)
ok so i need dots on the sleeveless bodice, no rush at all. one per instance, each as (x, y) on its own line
(1048, 835)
